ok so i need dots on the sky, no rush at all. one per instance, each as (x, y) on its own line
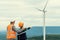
(25, 10)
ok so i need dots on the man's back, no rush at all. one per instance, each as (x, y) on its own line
(10, 32)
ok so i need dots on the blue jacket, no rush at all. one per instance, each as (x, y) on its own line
(21, 34)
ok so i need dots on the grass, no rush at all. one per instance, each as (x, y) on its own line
(53, 37)
(36, 38)
(48, 37)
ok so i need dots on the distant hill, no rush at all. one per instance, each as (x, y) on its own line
(53, 33)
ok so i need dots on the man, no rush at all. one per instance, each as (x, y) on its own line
(11, 35)
(21, 34)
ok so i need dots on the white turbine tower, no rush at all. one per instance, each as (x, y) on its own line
(44, 11)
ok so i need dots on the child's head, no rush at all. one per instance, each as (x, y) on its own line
(21, 24)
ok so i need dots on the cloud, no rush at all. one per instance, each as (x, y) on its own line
(54, 3)
(24, 10)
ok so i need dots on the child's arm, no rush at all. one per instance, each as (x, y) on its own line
(23, 30)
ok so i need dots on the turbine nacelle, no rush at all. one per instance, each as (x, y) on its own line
(41, 10)
(44, 11)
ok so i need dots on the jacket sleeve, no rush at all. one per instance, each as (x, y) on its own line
(23, 30)
(14, 29)
(18, 31)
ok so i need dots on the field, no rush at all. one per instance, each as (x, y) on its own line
(53, 37)
(48, 37)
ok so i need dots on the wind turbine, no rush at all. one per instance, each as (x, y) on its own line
(44, 11)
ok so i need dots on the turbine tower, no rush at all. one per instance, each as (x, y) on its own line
(44, 11)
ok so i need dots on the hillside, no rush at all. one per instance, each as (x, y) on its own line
(53, 37)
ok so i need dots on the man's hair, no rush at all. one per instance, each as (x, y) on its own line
(12, 22)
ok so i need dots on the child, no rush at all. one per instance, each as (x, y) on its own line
(21, 32)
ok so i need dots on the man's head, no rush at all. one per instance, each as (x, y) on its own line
(12, 22)
(21, 24)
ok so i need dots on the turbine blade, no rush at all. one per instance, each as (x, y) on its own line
(39, 9)
(45, 5)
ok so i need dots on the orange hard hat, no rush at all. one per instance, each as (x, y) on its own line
(20, 24)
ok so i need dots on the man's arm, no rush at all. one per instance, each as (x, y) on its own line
(20, 31)
(14, 29)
